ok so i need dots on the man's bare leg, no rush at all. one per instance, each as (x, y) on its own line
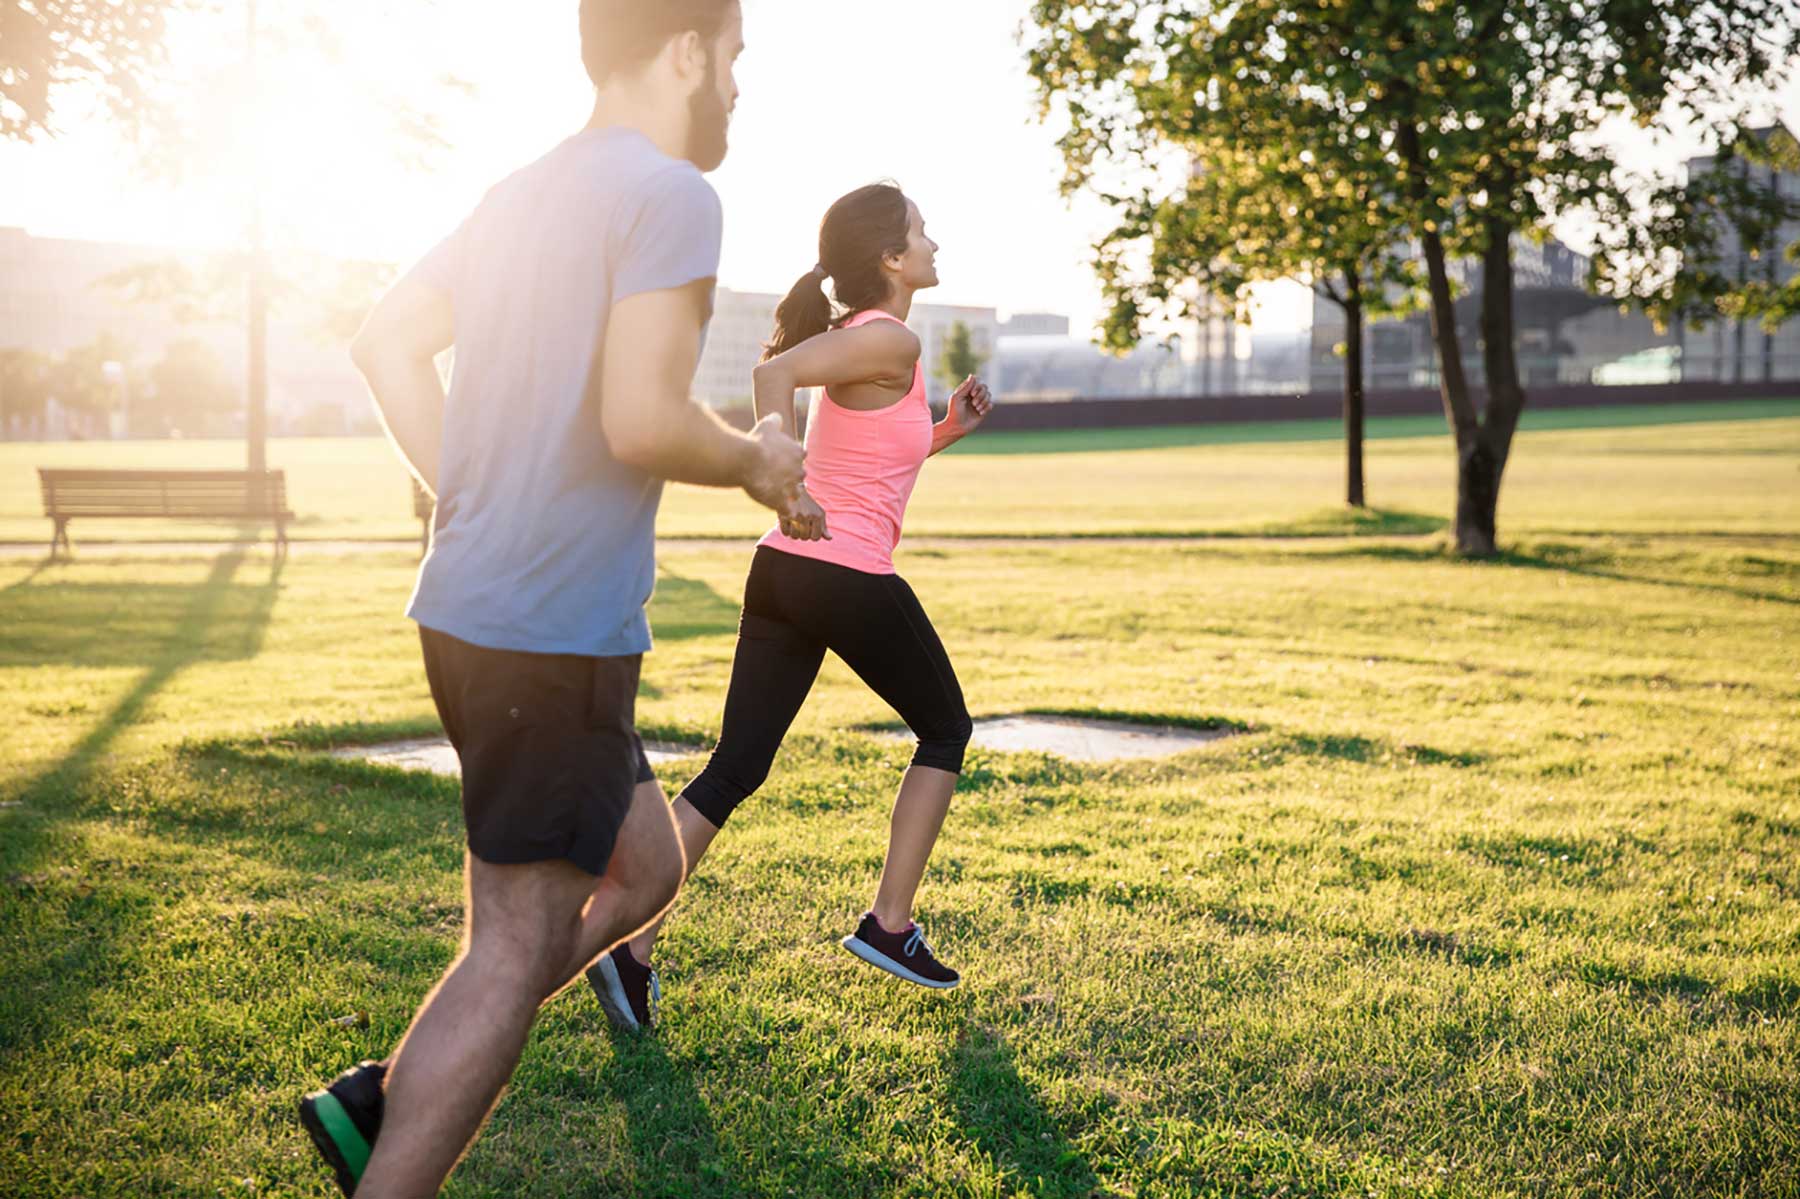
(697, 833)
(639, 885)
(466, 1040)
(527, 927)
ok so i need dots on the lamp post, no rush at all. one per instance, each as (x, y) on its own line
(114, 374)
(256, 423)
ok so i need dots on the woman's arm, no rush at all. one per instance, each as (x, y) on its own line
(963, 415)
(878, 352)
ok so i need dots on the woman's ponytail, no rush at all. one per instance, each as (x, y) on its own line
(858, 231)
(804, 313)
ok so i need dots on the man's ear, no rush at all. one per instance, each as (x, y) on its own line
(688, 55)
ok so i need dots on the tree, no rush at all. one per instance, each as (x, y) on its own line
(244, 66)
(1486, 115)
(1669, 256)
(24, 391)
(113, 46)
(190, 391)
(1281, 186)
(1498, 114)
(959, 359)
(81, 381)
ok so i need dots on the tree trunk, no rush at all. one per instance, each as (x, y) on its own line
(1769, 255)
(1353, 388)
(1477, 478)
(1481, 465)
(1737, 332)
(1458, 410)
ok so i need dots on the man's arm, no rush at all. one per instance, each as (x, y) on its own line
(651, 421)
(396, 352)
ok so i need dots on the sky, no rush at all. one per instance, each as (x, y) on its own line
(835, 93)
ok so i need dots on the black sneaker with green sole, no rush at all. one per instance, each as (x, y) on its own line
(344, 1120)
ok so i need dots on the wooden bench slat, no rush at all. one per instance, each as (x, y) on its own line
(217, 495)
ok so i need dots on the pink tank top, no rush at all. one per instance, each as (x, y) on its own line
(861, 467)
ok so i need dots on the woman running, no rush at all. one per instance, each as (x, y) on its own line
(824, 578)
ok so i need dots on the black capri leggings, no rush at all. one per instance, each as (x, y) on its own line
(794, 610)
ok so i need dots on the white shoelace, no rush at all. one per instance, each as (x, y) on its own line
(916, 942)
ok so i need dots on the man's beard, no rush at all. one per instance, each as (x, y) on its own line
(708, 124)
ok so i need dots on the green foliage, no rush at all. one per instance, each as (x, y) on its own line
(1284, 179)
(1291, 102)
(24, 388)
(1458, 123)
(190, 391)
(328, 297)
(1667, 256)
(78, 379)
(112, 46)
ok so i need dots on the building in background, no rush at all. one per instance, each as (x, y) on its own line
(1566, 334)
(1200, 358)
(1035, 324)
(54, 298)
(1734, 350)
(1047, 367)
(1278, 363)
(743, 320)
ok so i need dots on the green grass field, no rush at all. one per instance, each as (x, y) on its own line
(1499, 894)
(1728, 467)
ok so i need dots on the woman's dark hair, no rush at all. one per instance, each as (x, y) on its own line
(857, 232)
(620, 35)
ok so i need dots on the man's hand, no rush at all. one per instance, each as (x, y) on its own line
(777, 465)
(803, 519)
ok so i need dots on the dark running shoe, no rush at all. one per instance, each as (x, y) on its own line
(628, 989)
(344, 1119)
(903, 954)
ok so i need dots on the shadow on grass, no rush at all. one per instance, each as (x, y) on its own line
(42, 565)
(684, 608)
(67, 931)
(1773, 993)
(1355, 522)
(1201, 724)
(1592, 564)
(1362, 750)
(997, 1110)
(179, 625)
(1560, 557)
(160, 626)
(673, 1141)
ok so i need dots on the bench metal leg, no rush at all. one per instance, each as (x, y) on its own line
(60, 538)
(281, 540)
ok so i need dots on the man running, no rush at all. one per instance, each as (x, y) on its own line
(577, 296)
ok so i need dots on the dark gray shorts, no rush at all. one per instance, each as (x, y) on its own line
(550, 755)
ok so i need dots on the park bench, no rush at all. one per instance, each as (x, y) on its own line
(164, 494)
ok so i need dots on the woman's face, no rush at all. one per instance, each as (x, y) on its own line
(917, 267)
